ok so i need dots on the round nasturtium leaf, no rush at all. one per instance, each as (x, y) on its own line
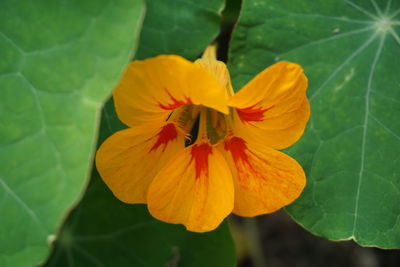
(350, 150)
(59, 61)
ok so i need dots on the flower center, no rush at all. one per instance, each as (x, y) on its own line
(216, 125)
(198, 122)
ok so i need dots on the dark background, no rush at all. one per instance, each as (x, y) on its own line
(283, 243)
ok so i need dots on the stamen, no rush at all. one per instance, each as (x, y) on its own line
(214, 119)
(193, 132)
(185, 116)
(216, 126)
(194, 114)
(229, 121)
(176, 114)
(203, 125)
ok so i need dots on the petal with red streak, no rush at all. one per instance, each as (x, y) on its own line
(194, 189)
(265, 180)
(129, 159)
(151, 88)
(273, 108)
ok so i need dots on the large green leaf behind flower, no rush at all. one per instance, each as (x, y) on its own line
(103, 231)
(350, 150)
(179, 27)
(57, 66)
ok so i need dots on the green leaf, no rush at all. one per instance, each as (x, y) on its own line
(59, 61)
(350, 150)
(103, 231)
(126, 235)
(179, 27)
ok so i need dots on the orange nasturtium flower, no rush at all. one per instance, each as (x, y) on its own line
(231, 166)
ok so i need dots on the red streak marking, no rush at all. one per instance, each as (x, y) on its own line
(200, 155)
(243, 163)
(237, 146)
(175, 102)
(252, 113)
(165, 135)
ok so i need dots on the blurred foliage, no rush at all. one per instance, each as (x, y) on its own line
(179, 27)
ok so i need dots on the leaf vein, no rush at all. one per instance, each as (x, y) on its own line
(395, 36)
(387, 8)
(384, 127)
(88, 256)
(341, 66)
(364, 134)
(22, 203)
(362, 10)
(330, 38)
(377, 9)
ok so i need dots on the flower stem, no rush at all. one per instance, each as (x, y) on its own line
(255, 245)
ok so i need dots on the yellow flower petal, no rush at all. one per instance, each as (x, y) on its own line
(276, 132)
(218, 69)
(151, 88)
(194, 189)
(273, 108)
(129, 159)
(265, 179)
